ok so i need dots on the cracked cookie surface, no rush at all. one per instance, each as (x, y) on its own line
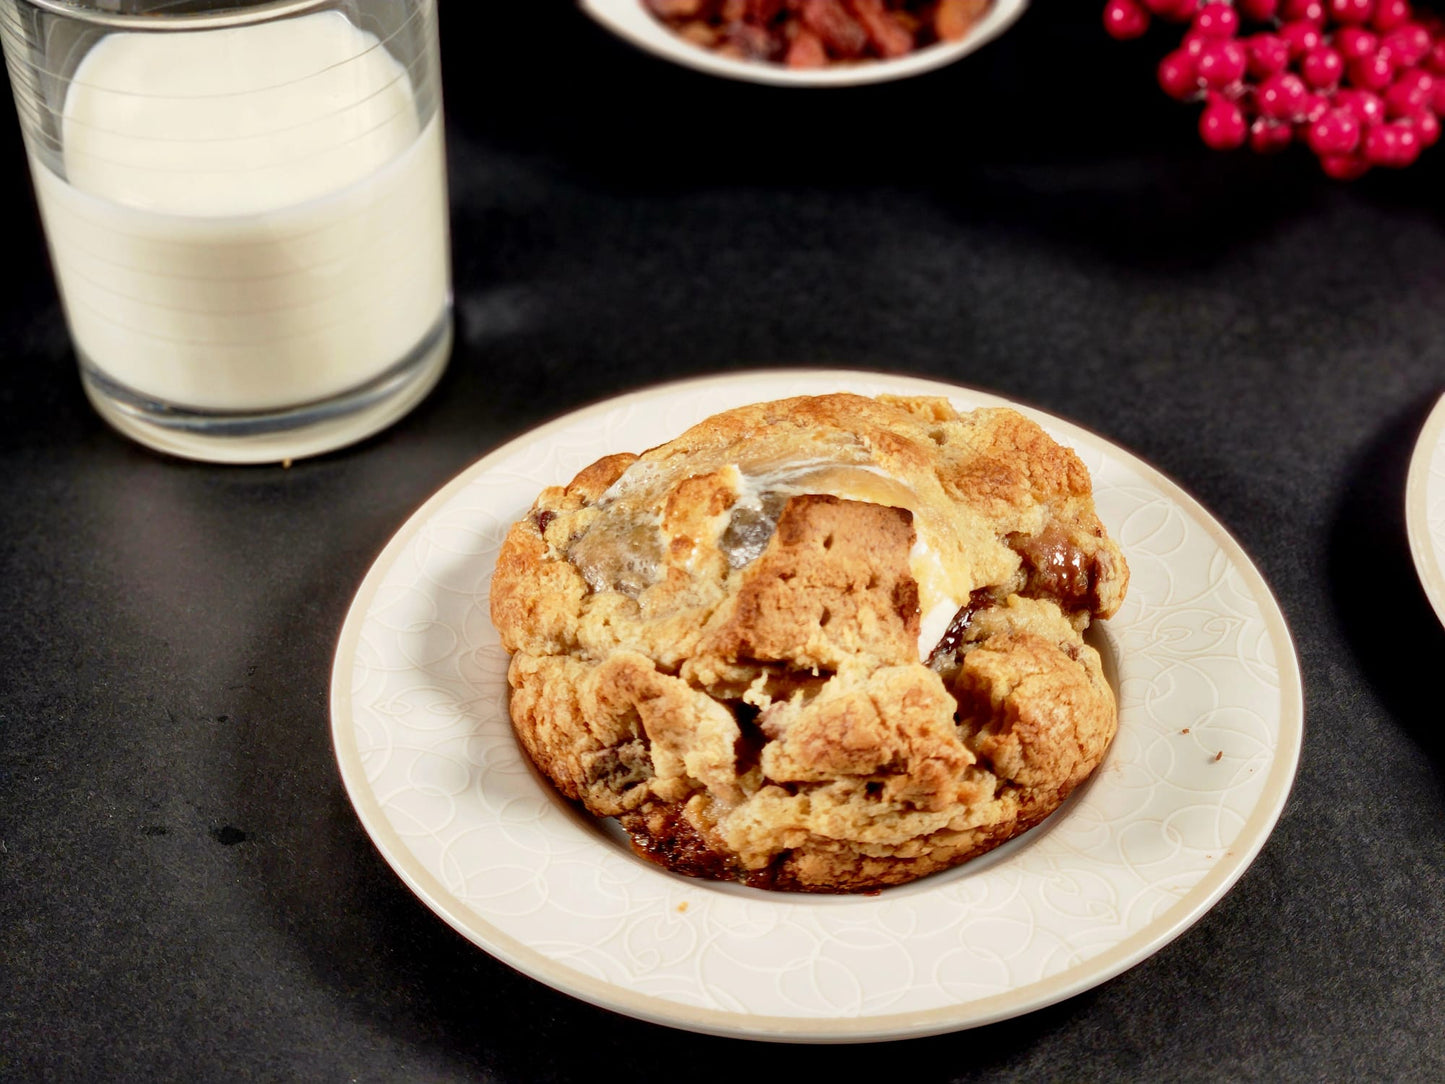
(825, 644)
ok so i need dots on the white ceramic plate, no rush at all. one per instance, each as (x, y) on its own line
(1210, 727)
(1425, 507)
(629, 21)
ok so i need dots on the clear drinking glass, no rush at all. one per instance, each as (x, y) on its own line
(246, 210)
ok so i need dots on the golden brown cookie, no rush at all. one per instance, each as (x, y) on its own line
(823, 644)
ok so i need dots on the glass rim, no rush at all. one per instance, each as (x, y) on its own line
(165, 21)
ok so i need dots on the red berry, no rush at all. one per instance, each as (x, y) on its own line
(1322, 67)
(1268, 54)
(1353, 43)
(1193, 45)
(1408, 145)
(1390, 14)
(1372, 72)
(1418, 79)
(1311, 11)
(1352, 11)
(1426, 125)
(1259, 11)
(1344, 167)
(1337, 132)
(1407, 45)
(1177, 10)
(1215, 20)
(1281, 96)
(1367, 106)
(1178, 76)
(1436, 60)
(1222, 125)
(1437, 100)
(1221, 63)
(1312, 108)
(1411, 92)
(1125, 19)
(1302, 36)
(1381, 145)
(1269, 136)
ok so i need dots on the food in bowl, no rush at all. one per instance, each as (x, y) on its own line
(822, 644)
(817, 33)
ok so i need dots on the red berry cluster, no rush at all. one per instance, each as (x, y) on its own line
(1360, 82)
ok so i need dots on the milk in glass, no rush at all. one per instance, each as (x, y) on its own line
(250, 218)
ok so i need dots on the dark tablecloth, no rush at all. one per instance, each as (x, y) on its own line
(185, 892)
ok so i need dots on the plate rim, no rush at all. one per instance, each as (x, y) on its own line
(1429, 564)
(1128, 952)
(641, 31)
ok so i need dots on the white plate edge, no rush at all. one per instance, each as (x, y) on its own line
(1429, 565)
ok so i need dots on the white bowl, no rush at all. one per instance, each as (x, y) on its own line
(630, 20)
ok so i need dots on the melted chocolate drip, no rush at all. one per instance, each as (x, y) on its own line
(1060, 570)
(945, 651)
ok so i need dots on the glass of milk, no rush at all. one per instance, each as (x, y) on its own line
(246, 210)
